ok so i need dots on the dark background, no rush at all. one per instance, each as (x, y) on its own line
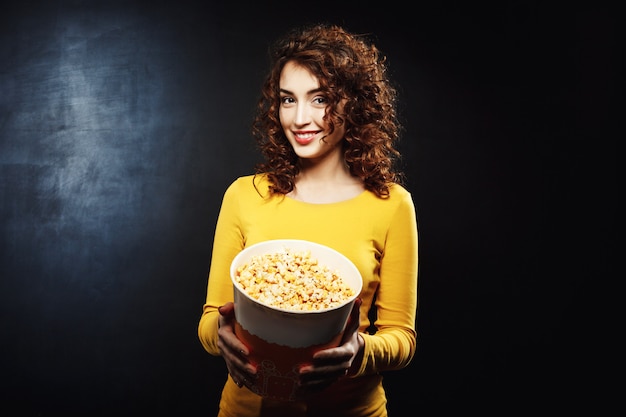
(122, 123)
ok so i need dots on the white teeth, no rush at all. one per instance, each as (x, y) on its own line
(304, 135)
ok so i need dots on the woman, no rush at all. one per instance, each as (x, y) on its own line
(327, 125)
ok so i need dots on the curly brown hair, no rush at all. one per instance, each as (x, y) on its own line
(347, 66)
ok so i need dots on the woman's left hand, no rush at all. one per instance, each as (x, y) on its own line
(329, 365)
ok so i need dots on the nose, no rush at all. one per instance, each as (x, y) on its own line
(303, 114)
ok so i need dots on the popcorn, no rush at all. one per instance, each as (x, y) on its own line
(292, 280)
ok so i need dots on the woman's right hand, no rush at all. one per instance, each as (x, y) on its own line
(234, 352)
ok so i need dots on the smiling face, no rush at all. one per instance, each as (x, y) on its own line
(302, 109)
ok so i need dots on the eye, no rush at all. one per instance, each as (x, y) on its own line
(320, 100)
(287, 100)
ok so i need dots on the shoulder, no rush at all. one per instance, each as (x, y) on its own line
(398, 201)
(397, 191)
(249, 184)
(397, 195)
(403, 198)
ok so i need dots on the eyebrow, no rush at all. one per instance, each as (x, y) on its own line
(308, 93)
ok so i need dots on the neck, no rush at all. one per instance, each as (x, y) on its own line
(326, 181)
(330, 168)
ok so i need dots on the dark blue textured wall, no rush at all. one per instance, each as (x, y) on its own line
(112, 160)
(122, 122)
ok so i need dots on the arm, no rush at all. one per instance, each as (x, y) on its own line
(395, 341)
(228, 241)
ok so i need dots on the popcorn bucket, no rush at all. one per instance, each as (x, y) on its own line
(281, 340)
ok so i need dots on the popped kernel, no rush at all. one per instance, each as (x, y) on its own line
(292, 280)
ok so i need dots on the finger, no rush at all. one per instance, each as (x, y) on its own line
(228, 340)
(238, 380)
(227, 309)
(232, 346)
(242, 378)
(237, 358)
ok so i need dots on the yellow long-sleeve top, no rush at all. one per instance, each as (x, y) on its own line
(378, 235)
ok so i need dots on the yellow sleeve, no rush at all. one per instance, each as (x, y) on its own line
(228, 241)
(394, 343)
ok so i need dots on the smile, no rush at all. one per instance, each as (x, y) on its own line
(304, 138)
